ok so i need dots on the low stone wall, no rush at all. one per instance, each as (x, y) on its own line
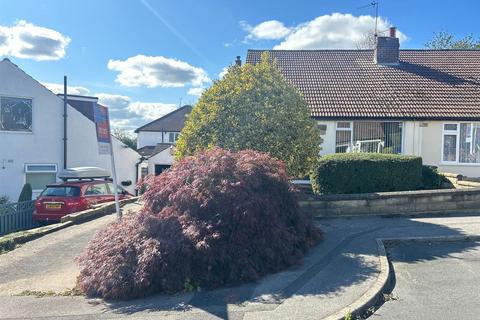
(393, 203)
(97, 211)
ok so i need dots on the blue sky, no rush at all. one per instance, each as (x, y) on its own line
(144, 57)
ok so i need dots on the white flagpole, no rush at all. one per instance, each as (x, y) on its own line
(114, 175)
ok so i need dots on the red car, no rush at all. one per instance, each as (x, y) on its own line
(58, 200)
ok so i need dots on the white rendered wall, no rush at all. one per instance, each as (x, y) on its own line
(44, 144)
(165, 157)
(151, 138)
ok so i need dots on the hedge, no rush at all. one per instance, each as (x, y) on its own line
(346, 173)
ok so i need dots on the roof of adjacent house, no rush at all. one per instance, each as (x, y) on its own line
(173, 121)
(425, 84)
(149, 151)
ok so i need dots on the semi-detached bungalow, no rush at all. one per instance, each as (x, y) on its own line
(415, 102)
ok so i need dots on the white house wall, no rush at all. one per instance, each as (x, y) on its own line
(151, 138)
(328, 144)
(163, 158)
(83, 150)
(44, 144)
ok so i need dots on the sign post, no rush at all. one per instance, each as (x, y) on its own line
(102, 124)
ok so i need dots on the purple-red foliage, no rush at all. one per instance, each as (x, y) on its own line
(218, 218)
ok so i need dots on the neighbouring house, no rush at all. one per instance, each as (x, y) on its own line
(156, 139)
(415, 102)
(32, 133)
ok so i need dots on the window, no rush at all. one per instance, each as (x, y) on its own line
(369, 136)
(173, 136)
(15, 114)
(461, 142)
(61, 192)
(97, 190)
(40, 175)
(344, 137)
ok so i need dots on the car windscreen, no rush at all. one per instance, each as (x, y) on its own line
(61, 192)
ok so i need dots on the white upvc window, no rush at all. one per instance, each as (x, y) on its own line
(461, 143)
(173, 136)
(369, 136)
(40, 175)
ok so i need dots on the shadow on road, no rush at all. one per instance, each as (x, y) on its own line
(346, 258)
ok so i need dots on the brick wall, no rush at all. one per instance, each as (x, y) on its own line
(386, 50)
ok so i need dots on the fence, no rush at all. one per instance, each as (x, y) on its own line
(16, 216)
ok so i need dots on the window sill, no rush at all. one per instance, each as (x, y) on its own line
(13, 132)
(458, 164)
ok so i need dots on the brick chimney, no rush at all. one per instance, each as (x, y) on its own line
(387, 48)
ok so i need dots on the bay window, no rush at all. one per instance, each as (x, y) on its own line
(461, 142)
(369, 136)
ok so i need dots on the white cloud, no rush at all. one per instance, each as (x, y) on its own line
(58, 88)
(335, 31)
(130, 115)
(195, 91)
(267, 30)
(223, 72)
(151, 110)
(157, 71)
(28, 41)
(113, 101)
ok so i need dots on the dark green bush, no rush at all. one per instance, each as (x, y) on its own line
(26, 193)
(345, 173)
(432, 179)
(4, 199)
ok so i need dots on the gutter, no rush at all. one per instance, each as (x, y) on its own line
(142, 158)
(64, 122)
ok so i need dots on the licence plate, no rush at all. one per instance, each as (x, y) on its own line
(53, 205)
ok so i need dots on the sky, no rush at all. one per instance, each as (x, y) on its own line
(144, 58)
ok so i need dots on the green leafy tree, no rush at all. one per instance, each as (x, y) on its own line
(125, 137)
(254, 107)
(446, 40)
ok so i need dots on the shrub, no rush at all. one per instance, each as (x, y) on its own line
(254, 107)
(4, 199)
(26, 193)
(219, 218)
(431, 179)
(366, 172)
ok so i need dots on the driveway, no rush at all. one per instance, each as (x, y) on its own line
(434, 281)
(332, 276)
(48, 263)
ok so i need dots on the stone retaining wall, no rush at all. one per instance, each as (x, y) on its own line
(393, 203)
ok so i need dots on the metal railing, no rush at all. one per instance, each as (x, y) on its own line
(16, 216)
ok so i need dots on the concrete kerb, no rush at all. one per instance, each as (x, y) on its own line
(10, 241)
(374, 294)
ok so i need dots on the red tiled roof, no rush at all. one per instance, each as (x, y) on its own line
(426, 84)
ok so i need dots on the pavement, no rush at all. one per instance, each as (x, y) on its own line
(335, 274)
(434, 281)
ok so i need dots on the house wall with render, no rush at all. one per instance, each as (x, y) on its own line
(44, 144)
(151, 138)
(164, 157)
